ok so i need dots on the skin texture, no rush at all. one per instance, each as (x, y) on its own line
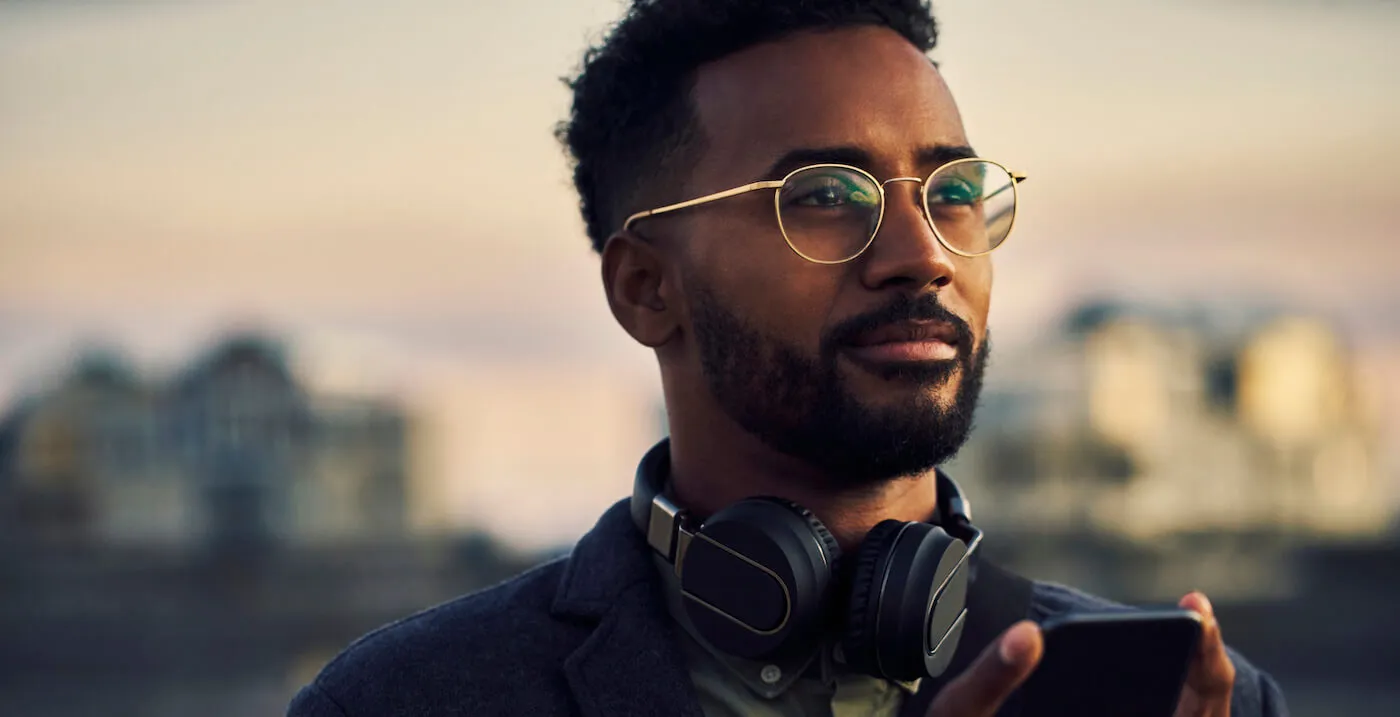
(864, 88)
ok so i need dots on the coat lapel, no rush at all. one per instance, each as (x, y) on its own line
(631, 664)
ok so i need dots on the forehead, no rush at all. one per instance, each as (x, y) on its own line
(864, 87)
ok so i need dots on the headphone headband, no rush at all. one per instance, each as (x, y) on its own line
(660, 519)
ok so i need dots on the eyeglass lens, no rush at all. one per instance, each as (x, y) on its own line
(831, 214)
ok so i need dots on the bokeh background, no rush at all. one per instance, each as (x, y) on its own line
(299, 330)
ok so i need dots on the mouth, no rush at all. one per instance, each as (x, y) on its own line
(906, 342)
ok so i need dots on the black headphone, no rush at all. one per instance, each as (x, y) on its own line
(759, 579)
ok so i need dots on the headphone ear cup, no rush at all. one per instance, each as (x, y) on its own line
(755, 578)
(907, 602)
(858, 643)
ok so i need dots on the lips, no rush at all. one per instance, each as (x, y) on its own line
(906, 343)
(908, 332)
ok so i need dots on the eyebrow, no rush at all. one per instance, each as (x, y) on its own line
(855, 156)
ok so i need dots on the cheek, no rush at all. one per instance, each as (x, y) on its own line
(975, 285)
(798, 310)
(749, 267)
(773, 290)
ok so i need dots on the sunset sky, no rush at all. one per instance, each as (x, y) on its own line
(386, 171)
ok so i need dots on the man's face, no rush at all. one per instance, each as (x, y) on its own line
(828, 362)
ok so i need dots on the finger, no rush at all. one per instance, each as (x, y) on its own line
(1211, 677)
(1000, 669)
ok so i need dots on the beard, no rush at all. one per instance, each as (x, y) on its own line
(803, 406)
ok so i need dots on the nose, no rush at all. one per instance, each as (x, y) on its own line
(905, 252)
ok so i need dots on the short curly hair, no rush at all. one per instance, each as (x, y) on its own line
(632, 122)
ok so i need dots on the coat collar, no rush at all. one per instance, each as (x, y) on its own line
(632, 663)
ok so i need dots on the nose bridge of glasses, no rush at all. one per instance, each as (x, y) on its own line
(920, 181)
(916, 180)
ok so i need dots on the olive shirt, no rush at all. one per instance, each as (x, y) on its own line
(800, 686)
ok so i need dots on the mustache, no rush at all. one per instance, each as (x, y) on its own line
(924, 307)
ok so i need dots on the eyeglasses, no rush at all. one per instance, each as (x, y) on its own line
(830, 213)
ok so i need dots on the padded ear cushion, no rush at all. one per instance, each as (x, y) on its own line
(824, 536)
(859, 642)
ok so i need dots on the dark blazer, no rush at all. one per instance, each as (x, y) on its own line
(584, 635)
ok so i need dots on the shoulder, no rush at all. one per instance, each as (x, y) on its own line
(1049, 599)
(1255, 693)
(456, 658)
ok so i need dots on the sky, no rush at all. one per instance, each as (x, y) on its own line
(385, 174)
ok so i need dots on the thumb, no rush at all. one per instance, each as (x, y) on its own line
(1000, 669)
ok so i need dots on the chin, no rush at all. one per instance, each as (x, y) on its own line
(877, 392)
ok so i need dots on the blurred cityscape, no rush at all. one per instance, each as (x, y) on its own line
(200, 543)
(1143, 451)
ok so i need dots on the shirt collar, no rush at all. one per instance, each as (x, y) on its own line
(765, 679)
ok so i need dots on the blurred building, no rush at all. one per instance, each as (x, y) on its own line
(230, 450)
(530, 453)
(1143, 424)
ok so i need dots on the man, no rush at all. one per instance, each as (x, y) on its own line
(789, 214)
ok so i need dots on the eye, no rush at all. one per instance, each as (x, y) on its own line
(954, 191)
(829, 194)
(830, 191)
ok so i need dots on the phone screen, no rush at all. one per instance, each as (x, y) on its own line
(1112, 664)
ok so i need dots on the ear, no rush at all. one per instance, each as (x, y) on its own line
(641, 292)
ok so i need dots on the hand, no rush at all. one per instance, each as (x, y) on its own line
(998, 671)
(1211, 677)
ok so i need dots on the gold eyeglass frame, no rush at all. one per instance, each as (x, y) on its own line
(777, 185)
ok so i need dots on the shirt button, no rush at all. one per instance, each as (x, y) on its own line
(771, 674)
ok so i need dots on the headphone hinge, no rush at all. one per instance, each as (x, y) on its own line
(663, 525)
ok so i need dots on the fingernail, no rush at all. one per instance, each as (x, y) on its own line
(1016, 645)
(1205, 604)
(1197, 601)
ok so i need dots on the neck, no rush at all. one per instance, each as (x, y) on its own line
(711, 470)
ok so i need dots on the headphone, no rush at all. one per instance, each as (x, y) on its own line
(763, 578)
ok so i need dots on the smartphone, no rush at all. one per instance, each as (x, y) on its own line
(1112, 664)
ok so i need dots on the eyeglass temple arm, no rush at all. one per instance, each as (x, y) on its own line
(1015, 179)
(750, 187)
